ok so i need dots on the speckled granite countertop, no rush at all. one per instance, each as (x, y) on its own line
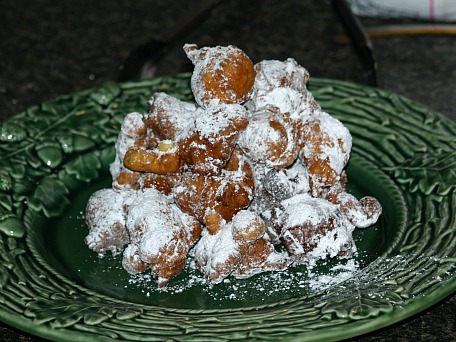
(52, 48)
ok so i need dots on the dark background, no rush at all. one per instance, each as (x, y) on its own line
(50, 48)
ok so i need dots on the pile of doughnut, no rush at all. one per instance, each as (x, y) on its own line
(248, 178)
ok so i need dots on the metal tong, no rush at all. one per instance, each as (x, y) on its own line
(359, 38)
(141, 62)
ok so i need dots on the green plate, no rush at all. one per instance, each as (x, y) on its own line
(53, 156)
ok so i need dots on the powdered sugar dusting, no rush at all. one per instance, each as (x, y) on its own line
(221, 117)
(147, 212)
(107, 220)
(337, 141)
(172, 115)
(295, 281)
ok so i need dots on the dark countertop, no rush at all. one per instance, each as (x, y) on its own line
(52, 48)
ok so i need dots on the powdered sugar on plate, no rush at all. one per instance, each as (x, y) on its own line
(295, 280)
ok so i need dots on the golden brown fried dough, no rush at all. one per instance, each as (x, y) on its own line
(222, 74)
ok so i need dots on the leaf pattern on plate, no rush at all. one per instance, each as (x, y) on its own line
(52, 149)
(428, 173)
(62, 311)
(49, 197)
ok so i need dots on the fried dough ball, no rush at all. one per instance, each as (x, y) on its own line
(131, 260)
(282, 84)
(269, 139)
(127, 179)
(170, 118)
(240, 164)
(273, 187)
(164, 159)
(162, 183)
(188, 193)
(325, 149)
(247, 226)
(216, 198)
(229, 251)
(161, 236)
(237, 186)
(269, 209)
(216, 255)
(222, 74)
(133, 134)
(207, 149)
(271, 74)
(361, 213)
(314, 228)
(287, 182)
(105, 217)
(260, 256)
